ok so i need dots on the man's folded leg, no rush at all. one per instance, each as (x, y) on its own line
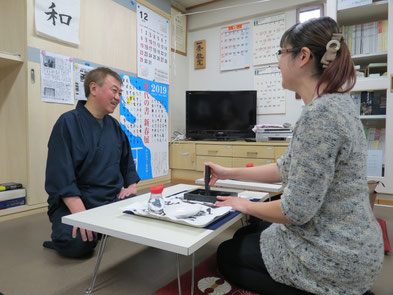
(62, 240)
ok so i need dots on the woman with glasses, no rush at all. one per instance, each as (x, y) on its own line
(321, 237)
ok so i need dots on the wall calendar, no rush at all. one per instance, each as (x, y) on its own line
(267, 36)
(153, 45)
(235, 47)
(270, 94)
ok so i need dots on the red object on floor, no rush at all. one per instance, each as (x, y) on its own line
(207, 281)
(386, 242)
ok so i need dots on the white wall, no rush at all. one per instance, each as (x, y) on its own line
(206, 26)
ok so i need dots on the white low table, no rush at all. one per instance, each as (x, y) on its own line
(110, 221)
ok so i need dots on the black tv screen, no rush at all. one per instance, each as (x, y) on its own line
(220, 115)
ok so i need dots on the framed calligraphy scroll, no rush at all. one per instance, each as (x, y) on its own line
(200, 54)
(178, 31)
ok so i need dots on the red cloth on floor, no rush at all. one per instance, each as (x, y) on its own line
(386, 242)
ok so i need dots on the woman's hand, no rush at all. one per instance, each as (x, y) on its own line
(217, 172)
(238, 204)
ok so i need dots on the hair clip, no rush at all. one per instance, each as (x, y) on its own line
(332, 47)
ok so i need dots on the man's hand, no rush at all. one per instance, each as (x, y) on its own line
(85, 234)
(125, 192)
(76, 205)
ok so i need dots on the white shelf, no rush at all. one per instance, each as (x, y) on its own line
(363, 14)
(372, 117)
(364, 84)
(7, 59)
(22, 209)
(365, 59)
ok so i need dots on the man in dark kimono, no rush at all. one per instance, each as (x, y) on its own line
(89, 162)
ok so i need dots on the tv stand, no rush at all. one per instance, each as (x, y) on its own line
(224, 139)
(187, 158)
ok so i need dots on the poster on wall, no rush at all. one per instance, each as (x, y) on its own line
(80, 72)
(270, 94)
(235, 47)
(267, 35)
(153, 45)
(56, 78)
(144, 119)
(58, 19)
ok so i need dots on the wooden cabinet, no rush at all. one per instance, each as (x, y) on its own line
(187, 158)
(223, 161)
(225, 150)
(183, 156)
(242, 162)
(253, 152)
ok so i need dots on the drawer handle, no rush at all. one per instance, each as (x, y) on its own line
(185, 154)
(252, 153)
(213, 152)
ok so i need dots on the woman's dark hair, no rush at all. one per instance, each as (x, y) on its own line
(339, 75)
(98, 75)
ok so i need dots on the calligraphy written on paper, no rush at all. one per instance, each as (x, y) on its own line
(64, 18)
(200, 54)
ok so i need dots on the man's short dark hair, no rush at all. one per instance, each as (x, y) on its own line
(98, 76)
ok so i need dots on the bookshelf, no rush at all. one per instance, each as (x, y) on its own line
(373, 117)
(13, 96)
(364, 84)
(376, 29)
(366, 13)
(9, 59)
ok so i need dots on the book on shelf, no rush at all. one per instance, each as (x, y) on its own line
(366, 38)
(12, 194)
(376, 69)
(366, 104)
(375, 150)
(356, 100)
(10, 186)
(372, 102)
(375, 138)
(12, 203)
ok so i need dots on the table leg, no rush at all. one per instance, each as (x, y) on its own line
(97, 266)
(192, 273)
(178, 273)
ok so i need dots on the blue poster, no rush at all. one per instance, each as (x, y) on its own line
(144, 119)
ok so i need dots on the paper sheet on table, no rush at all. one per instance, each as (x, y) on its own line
(207, 215)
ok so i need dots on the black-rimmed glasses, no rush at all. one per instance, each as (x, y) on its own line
(282, 51)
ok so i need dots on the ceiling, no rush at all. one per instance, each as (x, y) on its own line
(189, 4)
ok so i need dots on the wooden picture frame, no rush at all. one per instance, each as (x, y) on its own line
(178, 28)
(200, 54)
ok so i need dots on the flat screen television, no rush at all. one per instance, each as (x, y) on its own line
(220, 115)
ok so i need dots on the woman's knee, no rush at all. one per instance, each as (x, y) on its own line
(225, 254)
